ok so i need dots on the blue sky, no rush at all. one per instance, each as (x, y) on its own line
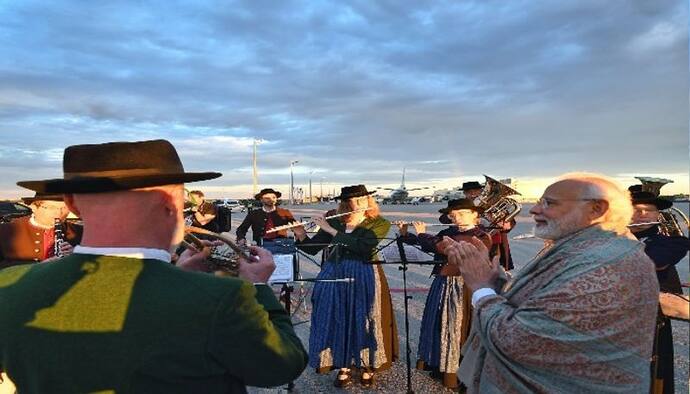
(353, 90)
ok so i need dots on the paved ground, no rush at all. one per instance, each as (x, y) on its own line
(395, 380)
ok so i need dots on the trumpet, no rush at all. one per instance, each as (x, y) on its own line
(223, 258)
(298, 224)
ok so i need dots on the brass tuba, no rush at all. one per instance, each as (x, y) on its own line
(498, 207)
(669, 219)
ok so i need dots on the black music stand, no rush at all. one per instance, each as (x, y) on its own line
(287, 289)
(403, 261)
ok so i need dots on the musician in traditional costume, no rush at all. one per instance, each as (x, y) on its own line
(115, 316)
(499, 234)
(580, 316)
(202, 213)
(31, 239)
(264, 219)
(352, 324)
(447, 312)
(665, 251)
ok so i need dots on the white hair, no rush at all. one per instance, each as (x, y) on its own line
(601, 187)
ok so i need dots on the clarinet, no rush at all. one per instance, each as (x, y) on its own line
(59, 237)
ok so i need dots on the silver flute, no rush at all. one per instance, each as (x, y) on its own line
(298, 224)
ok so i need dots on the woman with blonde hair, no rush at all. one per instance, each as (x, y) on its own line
(352, 322)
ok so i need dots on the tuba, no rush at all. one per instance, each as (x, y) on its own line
(669, 219)
(494, 200)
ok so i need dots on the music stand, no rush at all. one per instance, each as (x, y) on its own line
(418, 256)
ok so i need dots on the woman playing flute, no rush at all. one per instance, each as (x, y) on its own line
(352, 323)
(446, 318)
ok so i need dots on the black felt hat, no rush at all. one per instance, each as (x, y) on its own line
(472, 185)
(635, 188)
(463, 203)
(267, 191)
(42, 197)
(118, 166)
(650, 198)
(353, 191)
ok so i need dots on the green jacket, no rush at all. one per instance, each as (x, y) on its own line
(360, 244)
(91, 323)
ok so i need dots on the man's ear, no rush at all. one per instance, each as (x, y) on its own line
(599, 209)
(170, 203)
(69, 201)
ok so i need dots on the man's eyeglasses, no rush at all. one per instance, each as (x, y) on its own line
(552, 202)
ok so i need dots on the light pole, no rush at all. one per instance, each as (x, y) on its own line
(321, 191)
(292, 182)
(310, 174)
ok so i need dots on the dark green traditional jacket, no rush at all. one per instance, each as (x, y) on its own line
(91, 323)
(360, 244)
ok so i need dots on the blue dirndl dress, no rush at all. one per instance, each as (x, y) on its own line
(345, 325)
(352, 323)
(440, 334)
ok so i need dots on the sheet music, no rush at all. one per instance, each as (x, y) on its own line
(284, 271)
(391, 254)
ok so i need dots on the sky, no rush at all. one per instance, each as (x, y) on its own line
(354, 91)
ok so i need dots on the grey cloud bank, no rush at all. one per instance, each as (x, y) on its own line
(356, 90)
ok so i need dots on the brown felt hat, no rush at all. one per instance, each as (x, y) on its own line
(42, 197)
(649, 198)
(462, 203)
(117, 166)
(259, 195)
(353, 191)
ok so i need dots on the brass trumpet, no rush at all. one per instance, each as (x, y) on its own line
(224, 259)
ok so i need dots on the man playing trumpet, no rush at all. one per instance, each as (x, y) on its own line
(116, 316)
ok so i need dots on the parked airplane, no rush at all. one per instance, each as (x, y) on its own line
(401, 195)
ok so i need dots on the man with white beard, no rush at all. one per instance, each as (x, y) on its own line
(578, 317)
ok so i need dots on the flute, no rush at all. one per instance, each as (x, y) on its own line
(643, 224)
(293, 225)
(427, 224)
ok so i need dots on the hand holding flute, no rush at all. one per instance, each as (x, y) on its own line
(419, 227)
(319, 220)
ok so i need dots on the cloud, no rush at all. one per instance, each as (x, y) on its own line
(356, 90)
